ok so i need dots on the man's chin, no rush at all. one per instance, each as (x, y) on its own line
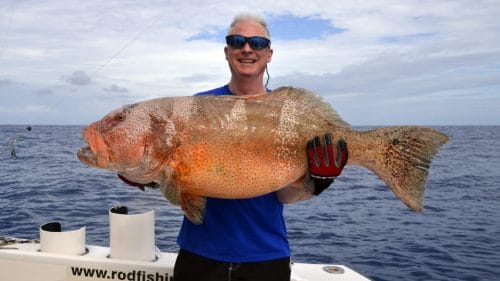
(250, 71)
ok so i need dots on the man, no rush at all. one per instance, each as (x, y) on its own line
(245, 239)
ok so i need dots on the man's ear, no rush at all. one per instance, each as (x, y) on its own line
(226, 52)
(270, 55)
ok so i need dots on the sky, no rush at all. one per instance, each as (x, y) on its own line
(376, 62)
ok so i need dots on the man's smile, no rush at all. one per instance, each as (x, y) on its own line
(247, 60)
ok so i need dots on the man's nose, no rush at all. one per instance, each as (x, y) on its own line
(246, 47)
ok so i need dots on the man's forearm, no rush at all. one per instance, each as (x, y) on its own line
(298, 191)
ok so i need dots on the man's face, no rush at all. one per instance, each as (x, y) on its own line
(247, 62)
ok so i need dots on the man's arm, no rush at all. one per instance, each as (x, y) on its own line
(298, 191)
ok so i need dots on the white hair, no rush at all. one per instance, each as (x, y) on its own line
(249, 17)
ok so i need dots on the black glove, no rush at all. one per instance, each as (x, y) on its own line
(325, 162)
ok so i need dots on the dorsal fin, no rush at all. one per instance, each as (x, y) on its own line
(313, 102)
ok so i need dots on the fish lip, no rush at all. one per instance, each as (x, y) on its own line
(95, 154)
(91, 158)
(86, 156)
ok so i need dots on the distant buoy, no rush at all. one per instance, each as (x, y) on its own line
(28, 128)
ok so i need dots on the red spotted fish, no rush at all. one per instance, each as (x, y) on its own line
(245, 146)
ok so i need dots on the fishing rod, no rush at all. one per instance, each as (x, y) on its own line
(127, 44)
(13, 153)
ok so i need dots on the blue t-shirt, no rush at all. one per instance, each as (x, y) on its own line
(237, 230)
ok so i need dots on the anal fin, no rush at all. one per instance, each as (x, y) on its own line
(193, 207)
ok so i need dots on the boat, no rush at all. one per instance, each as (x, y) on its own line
(64, 256)
(22, 260)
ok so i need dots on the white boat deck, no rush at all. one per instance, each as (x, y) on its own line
(22, 260)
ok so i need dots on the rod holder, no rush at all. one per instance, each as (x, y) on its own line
(54, 240)
(131, 236)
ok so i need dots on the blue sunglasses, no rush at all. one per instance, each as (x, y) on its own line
(255, 42)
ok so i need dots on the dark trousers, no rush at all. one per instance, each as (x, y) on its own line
(191, 267)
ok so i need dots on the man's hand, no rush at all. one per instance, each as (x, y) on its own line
(326, 161)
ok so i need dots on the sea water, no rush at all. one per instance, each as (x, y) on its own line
(357, 221)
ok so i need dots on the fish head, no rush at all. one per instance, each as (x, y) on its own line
(127, 141)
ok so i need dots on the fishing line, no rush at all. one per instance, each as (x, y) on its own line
(93, 73)
(4, 39)
(115, 55)
(267, 80)
(127, 44)
(7, 29)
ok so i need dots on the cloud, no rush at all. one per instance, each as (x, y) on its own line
(357, 55)
(197, 78)
(26, 109)
(116, 89)
(78, 78)
(44, 92)
(391, 75)
(5, 82)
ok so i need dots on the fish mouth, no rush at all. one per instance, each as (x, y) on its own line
(86, 156)
(96, 153)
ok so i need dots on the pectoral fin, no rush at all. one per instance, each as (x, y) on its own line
(168, 188)
(192, 205)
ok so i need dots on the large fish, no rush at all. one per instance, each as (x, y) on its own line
(245, 146)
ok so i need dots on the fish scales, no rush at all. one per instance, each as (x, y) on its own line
(242, 147)
(221, 152)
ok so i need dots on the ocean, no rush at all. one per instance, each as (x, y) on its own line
(357, 222)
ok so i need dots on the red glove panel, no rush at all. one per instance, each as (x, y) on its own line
(326, 161)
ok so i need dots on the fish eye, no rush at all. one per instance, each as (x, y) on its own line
(120, 116)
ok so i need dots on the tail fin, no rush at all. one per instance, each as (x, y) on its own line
(400, 156)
